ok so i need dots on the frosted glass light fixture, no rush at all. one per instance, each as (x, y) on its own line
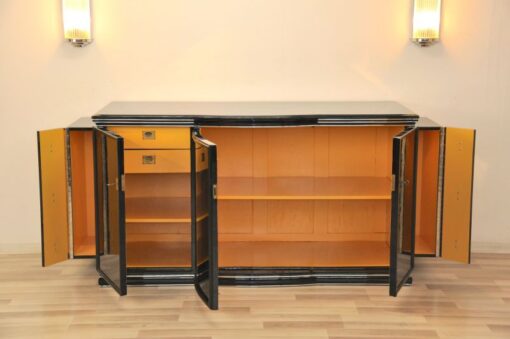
(426, 22)
(77, 22)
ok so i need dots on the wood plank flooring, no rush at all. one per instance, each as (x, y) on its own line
(447, 300)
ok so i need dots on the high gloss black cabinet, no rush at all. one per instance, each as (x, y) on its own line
(255, 193)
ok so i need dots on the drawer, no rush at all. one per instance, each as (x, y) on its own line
(157, 161)
(153, 137)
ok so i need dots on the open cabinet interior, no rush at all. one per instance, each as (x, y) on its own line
(158, 220)
(287, 197)
(82, 188)
(427, 191)
(304, 196)
(157, 193)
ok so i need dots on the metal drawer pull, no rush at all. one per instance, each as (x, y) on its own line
(148, 159)
(148, 135)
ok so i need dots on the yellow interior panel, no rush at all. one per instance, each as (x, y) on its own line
(52, 163)
(457, 194)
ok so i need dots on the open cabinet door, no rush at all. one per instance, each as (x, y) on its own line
(53, 195)
(110, 209)
(457, 194)
(204, 218)
(403, 206)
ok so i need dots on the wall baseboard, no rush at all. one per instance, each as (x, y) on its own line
(20, 248)
(490, 247)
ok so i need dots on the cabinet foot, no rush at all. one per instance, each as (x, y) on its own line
(102, 282)
(409, 281)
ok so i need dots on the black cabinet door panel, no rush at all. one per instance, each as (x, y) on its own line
(110, 209)
(204, 218)
(403, 208)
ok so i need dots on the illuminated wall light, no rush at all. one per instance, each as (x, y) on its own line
(77, 22)
(426, 22)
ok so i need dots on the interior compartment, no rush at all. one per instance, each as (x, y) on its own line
(427, 191)
(82, 188)
(158, 220)
(304, 196)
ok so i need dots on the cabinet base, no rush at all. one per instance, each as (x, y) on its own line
(159, 276)
(263, 276)
(303, 275)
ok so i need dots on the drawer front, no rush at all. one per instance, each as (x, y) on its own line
(157, 161)
(153, 137)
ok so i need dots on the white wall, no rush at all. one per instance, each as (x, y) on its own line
(253, 50)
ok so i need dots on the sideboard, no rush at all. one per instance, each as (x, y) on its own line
(255, 193)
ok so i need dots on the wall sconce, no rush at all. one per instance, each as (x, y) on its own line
(77, 22)
(426, 22)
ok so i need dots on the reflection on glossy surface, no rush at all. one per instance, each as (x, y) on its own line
(404, 260)
(112, 189)
(202, 218)
(99, 155)
(204, 221)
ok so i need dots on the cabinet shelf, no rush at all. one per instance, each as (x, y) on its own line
(304, 188)
(158, 253)
(158, 210)
(303, 254)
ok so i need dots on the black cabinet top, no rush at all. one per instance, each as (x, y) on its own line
(255, 113)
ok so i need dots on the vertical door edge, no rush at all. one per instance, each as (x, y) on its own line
(41, 210)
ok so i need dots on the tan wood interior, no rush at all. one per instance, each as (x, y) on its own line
(457, 194)
(315, 193)
(427, 191)
(158, 220)
(158, 210)
(53, 181)
(322, 192)
(83, 208)
(157, 161)
(153, 137)
(303, 254)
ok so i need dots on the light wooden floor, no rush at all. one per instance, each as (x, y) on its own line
(447, 300)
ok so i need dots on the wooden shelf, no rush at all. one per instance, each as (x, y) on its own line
(304, 254)
(158, 253)
(158, 210)
(304, 188)
(161, 253)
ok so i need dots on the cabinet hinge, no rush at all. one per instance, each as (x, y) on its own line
(214, 191)
(392, 182)
(123, 182)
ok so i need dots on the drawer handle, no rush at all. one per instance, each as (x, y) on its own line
(148, 159)
(148, 135)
